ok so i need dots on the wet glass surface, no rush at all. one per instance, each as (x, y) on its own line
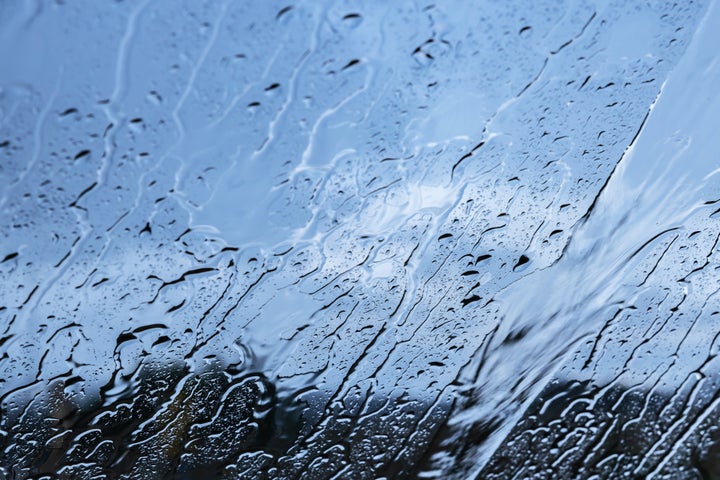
(359, 239)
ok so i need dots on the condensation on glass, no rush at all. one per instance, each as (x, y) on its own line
(359, 240)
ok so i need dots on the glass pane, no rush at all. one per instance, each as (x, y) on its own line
(358, 239)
